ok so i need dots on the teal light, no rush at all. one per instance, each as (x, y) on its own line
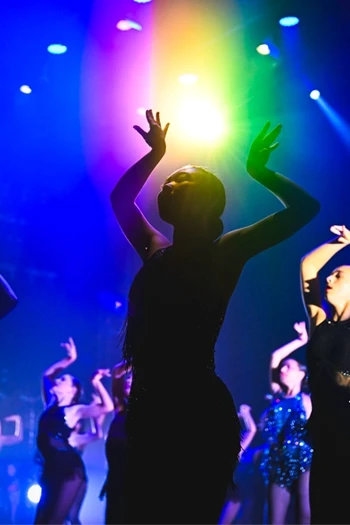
(57, 49)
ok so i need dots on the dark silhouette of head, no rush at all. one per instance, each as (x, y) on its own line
(193, 199)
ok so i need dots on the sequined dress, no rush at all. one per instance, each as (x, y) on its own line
(288, 452)
(182, 427)
(328, 360)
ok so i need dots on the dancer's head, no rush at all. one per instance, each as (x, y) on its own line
(193, 199)
(338, 287)
(292, 374)
(67, 390)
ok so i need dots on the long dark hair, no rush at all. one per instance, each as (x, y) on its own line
(79, 390)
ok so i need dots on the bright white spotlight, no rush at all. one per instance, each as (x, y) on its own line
(289, 21)
(188, 79)
(315, 94)
(25, 89)
(57, 49)
(142, 1)
(263, 49)
(200, 121)
(126, 25)
(34, 493)
(141, 111)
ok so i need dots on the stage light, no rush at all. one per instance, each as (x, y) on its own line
(315, 94)
(263, 49)
(188, 79)
(118, 304)
(142, 1)
(289, 21)
(126, 25)
(57, 49)
(34, 493)
(141, 111)
(200, 121)
(25, 89)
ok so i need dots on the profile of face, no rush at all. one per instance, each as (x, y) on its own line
(338, 286)
(127, 384)
(191, 196)
(291, 375)
(64, 387)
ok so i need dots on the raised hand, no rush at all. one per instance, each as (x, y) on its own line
(262, 147)
(99, 374)
(244, 409)
(155, 137)
(342, 233)
(71, 349)
(300, 328)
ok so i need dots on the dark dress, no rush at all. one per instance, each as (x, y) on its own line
(328, 357)
(182, 427)
(63, 472)
(288, 452)
(116, 457)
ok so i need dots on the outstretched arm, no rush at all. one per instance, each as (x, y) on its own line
(310, 267)
(139, 232)
(8, 299)
(106, 405)
(300, 207)
(281, 353)
(250, 427)
(55, 369)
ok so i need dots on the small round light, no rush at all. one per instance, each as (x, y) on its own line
(126, 25)
(141, 111)
(289, 21)
(34, 493)
(57, 49)
(25, 89)
(263, 49)
(315, 94)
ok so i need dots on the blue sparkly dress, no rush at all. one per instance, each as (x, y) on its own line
(288, 453)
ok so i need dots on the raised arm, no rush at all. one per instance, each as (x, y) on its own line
(250, 427)
(300, 207)
(17, 436)
(106, 405)
(310, 267)
(281, 353)
(8, 299)
(139, 232)
(55, 369)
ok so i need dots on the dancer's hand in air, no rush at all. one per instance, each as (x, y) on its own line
(99, 374)
(155, 137)
(342, 233)
(262, 147)
(301, 330)
(71, 349)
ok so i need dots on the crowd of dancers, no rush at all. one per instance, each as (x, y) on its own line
(173, 450)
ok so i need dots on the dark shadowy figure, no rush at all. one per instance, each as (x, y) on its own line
(328, 358)
(63, 474)
(182, 427)
(116, 448)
